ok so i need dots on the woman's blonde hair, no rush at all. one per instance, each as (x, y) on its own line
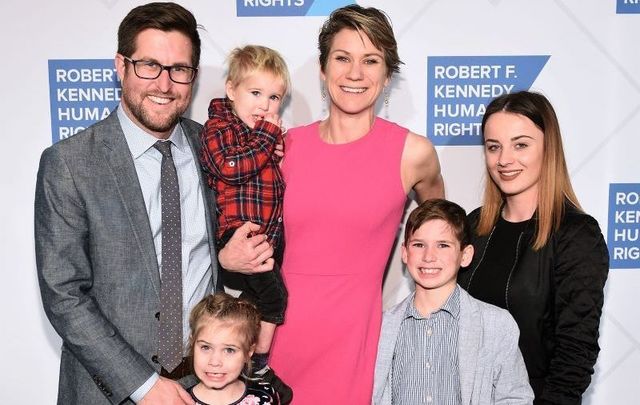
(554, 185)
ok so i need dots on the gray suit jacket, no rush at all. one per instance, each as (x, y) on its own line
(96, 262)
(490, 363)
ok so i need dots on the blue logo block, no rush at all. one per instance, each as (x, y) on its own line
(81, 92)
(460, 87)
(628, 7)
(287, 8)
(623, 236)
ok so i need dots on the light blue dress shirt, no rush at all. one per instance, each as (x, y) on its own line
(196, 258)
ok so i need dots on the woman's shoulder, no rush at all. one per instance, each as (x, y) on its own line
(302, 130)
(300, 140)
(387, 126)
(576, 222)
(473, 214)
(473, 217)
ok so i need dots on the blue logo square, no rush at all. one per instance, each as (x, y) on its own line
(628, 7)
(624, 225)
(460, 87)
(81, 92)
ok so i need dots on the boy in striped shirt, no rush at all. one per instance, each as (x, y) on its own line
(440, 345)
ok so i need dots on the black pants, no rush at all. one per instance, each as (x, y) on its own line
(266, 290)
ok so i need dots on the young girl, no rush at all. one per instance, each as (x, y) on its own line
(224, 332)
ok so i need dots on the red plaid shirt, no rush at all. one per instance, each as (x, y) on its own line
(243, 170)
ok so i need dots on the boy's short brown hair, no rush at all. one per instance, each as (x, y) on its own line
(438, 208)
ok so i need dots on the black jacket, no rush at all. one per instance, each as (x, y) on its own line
(555, 295)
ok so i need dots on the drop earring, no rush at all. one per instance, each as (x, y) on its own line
(323, 95)
(386, 103)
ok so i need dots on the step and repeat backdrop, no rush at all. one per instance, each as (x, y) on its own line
(59, 77)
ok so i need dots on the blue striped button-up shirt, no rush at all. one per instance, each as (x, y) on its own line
(425, 361)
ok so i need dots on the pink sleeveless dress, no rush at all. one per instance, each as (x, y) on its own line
(342, 208)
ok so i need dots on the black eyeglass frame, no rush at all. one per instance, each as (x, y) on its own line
(134, 62)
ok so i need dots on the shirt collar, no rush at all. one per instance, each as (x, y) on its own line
(140, 141)
(451, 306)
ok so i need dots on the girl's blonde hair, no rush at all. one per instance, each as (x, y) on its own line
(239, 313)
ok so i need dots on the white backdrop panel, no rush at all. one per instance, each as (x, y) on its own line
(591, 78)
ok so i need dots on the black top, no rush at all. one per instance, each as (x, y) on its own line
(555, 294)
(256, 393)
(490, 279)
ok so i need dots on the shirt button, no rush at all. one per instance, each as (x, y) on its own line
(232, 163)
(279, 219)
(429, 399)
(429, 332)
(428, 365)
(154, 359)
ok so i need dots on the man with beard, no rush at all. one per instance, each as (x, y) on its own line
(124, 245)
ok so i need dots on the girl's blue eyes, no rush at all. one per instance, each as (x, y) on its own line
(256, 93)
(228, 350)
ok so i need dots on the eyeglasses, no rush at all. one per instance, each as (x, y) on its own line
(148, 70)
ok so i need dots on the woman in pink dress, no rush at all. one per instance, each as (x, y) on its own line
(347, 179)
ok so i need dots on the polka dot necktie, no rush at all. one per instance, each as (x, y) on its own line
(170, 348)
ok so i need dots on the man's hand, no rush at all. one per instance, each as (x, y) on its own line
(245, 253)
(167, 392)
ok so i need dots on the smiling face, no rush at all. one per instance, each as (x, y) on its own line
(433, 257)
(218, 355)
(156, 105)
(355, 73)
(513, 154)
(258, 94)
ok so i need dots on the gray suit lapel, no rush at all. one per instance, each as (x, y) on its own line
(118, 157)
(469, 338)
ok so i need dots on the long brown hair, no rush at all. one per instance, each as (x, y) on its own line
(554, 185)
